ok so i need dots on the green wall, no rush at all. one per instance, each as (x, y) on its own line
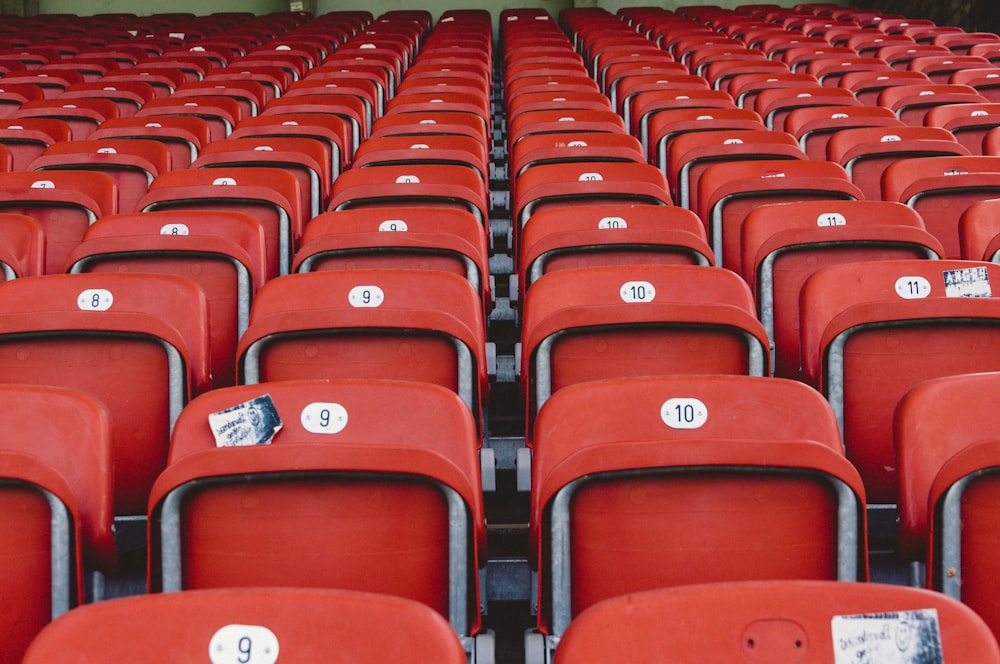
(146, 7)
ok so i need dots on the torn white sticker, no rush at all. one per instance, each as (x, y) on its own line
(253, 422)
(903, 637)
(967, 282)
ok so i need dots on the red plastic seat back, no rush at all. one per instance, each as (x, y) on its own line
(55, 441)
(303, 624)
(778, 621)
(136, 342)
(871, 331)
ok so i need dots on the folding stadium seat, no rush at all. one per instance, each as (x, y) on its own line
(910, 103)
(941, 189)
(968, 123)
(250, 95)
(947, 486)
(411, 151)
(865, 153)
(666, 126)
(63, 203)
(720, 74)
(774, 104)
(744, 88)
(583, 325)
(429, 238)
(611, 234)
(562, 122)
(357, 501)
(135, 342)
(939, 68)
(420, 185)
(420, 124)
(868, 42)
(269, 195)
(923, 319)
(816, 620)
(985, 81)
(56, 497)
(813, 126)
(81, 115)
(690, 154)
(657, 482)
(335, 626)
(162, 81)
(14, 95)
(538, 149)
(183, 136)
(431, 322)
(223, 252)
(647, 105)
(346, 107)
(273, 78)
(727, 192)
(828, 71)
(219, 112)
(50, 85)
(303, 158)
(867, 85)
(582, 184)
(364, 88)
(989, 50)
(961, 43)
(782, 245)
(978, 230)
(127, 95)
(131, 165)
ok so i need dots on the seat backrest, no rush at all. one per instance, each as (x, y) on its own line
(979, 231)
(82, 115)
(924, 319)
(329, 130)
(608, 322)
(270, 195)
(910, 103)
(865, 153)
(346, 323)
(814, 125)
(690, 154)
(784, 244)
(223, 252)
(381, 489)
(56, 495)
(303, 158)
(184, 136)
(728, 191)
(969, 123)
(64, 203)
(941, 189)
(138, 343)
(947, 484)
(611, 234)
(625, 474)
(220, 113)
(335, 626)
(413, 184)
(778, 621)
(132, 165)
(399, 237)
(26, 138)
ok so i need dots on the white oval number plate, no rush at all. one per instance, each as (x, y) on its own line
(243, 644)
(393, 225)
(684, 413)
(611, 222)
(913, 288)
(366, 296)
(325, 418)
(95, 299)
(637, 291)
(174, 229)
(831, 219)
